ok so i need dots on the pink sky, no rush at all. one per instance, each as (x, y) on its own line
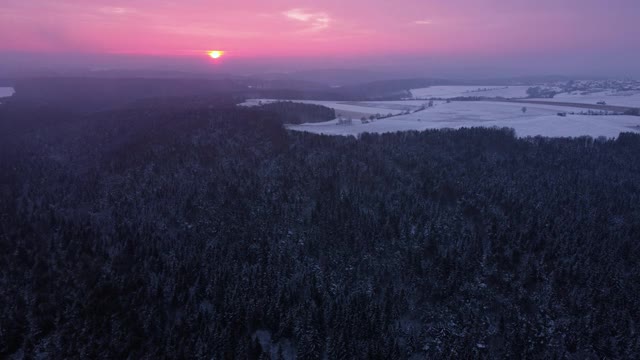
(250, 29)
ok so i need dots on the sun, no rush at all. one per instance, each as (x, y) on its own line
(216, 54)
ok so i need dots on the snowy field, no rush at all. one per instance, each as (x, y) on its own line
(351, 108)
(448, 92)
(6, 92)
(628, 98)
(537, 120)
(355, 109)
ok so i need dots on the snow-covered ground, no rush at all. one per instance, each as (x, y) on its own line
(258, 102)
(623, 98)
(355, 109)
(537, 120)
(448, 92)
(6, 92)
(350, 108)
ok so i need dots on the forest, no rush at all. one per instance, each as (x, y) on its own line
(212, 232)
(289, 112)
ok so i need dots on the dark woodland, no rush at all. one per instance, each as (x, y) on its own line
(212, 232)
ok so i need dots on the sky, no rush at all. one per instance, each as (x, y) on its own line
(541, 36)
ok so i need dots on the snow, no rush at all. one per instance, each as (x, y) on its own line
(257, 102)
(350, 108)
(448, 92)
(628, 98)
(355, 107)
(6, 92)
(537, 120)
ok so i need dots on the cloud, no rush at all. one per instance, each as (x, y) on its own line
(116, 10)
(316, 20)
(205, 31)
(423, 22)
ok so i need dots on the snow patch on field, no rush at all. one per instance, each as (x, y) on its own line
(449, 92)
(259, 102)
(6, 92)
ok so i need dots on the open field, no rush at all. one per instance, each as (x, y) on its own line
(537, 120)
(597, 107)
(613, 93)
(351, 109)
(449, 92)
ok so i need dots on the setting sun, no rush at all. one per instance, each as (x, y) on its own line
(216, 54)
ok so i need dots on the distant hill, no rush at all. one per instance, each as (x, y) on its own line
(100, 93)
(331, 77)
(106, 89)
(391, 89)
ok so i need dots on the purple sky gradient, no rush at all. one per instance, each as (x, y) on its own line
(516, 37)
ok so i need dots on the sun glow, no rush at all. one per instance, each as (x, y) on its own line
(216, 54)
